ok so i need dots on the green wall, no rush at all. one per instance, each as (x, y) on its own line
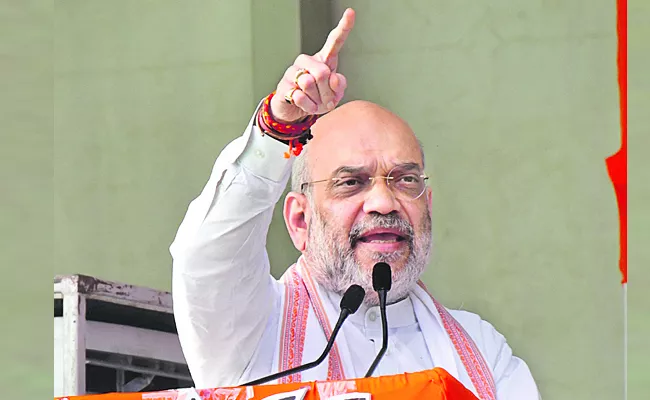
(26, 199)
(516, 105)
(639, 199)
(146, 96)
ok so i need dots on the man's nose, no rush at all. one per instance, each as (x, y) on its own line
(380, 199)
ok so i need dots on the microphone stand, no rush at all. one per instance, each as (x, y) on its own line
(384, 332)
(344, 314)
(350, 303)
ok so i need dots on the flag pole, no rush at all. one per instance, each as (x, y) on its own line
(625, 341)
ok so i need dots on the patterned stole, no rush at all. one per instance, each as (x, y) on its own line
(301, 294)
(469, 354)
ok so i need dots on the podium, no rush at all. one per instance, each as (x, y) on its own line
(434, 384)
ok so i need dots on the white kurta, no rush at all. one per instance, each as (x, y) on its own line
(228, 307)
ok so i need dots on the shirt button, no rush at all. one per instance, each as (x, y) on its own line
(259, 153)
(372, 316)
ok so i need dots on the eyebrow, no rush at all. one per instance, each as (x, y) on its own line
(348, 170)
(409, 166)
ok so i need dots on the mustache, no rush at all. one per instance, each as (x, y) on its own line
(387, 221)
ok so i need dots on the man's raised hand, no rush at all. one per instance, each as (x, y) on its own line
(311, 85)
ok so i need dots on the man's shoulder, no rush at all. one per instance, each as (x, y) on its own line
(475, 325)
(470, 320)
(511, 373)
(487, 338)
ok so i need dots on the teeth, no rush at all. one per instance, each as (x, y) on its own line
(383, 241)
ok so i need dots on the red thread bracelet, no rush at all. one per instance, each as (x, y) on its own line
(295, 145)
(292, 129)
(293, 133)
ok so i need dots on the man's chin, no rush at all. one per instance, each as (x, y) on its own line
(387, 247)
(368, 259)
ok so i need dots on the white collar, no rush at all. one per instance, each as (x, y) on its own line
(400, 314)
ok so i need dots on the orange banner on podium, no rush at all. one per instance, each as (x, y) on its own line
(434, 384)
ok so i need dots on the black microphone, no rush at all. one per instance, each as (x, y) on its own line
(350, 303)
(381, 282)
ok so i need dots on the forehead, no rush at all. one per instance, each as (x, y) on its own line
(375, 139)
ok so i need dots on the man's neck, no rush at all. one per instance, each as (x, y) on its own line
(399, 313)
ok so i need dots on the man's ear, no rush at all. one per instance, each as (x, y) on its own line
(296, 209)
(430, 200)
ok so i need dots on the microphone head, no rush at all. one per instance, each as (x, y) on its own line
(352, 298)
(381, 276)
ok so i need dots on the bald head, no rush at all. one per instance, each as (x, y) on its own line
(358, 132)
(360, 117)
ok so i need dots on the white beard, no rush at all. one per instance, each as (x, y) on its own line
(333, 264)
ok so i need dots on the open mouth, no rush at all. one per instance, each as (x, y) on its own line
(382, 237)
(382, 240)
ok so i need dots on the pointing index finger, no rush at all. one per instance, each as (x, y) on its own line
(337, 36)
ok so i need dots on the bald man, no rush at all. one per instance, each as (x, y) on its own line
(359, 196)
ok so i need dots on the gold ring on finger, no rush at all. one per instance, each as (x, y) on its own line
(289, 96)
(300, 73)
